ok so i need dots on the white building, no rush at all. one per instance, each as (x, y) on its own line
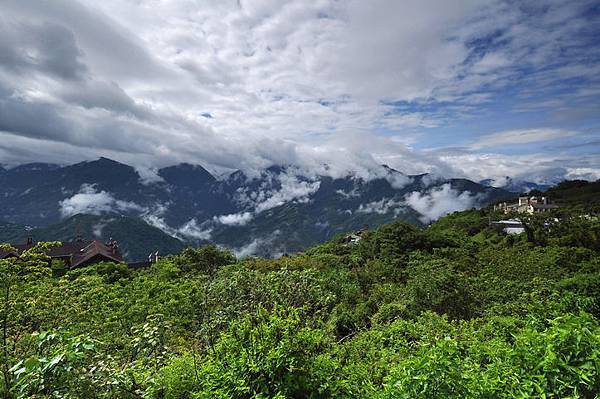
(510, 226)
(527, 205)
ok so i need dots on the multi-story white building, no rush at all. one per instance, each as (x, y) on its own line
(527, 205)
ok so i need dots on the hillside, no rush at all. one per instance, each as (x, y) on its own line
(450, 311)
(579, 192)
(135, 237)
(12, 233)
(278, 210)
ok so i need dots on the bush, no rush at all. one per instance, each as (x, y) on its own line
(113, 272)
(270, 355)
(454, 310)
(207, 259)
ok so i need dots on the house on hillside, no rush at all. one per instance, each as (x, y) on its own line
(527, 205)
(355, 237)
(510, 226)
(78, 253)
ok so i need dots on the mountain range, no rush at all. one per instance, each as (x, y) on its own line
(277, 210)
(516, 186)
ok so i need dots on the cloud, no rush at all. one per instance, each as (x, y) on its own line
(191, 229)
(101, 95)
(347, 195)
(276, 190)
(148, 175)
(397, 180)
(91, 29)
(97, 229)
(257, 246)
(156, 220)
(43, 47)
(536, 167)
(382, 207)
(390, 65)
(249, 249)
(291, 189)
(245, 85)
(90, 201)
(234, 219)
(440, 201)
(524, 136)
(589, 174)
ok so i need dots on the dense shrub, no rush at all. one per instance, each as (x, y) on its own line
(207, 259)
(452, 310)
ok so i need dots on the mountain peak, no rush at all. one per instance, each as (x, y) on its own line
(276, 169)
(186, 174)
(390, 169)
(187, 166)
(515, 185)
(106, 161)
(101, 162)
(278, 204)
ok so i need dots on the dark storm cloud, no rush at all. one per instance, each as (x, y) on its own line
(109, 48)
(46, 48)
(47, 90)
(32, 120)
(51, 122)
(104, 95)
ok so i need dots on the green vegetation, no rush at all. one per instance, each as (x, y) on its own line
(455, 310)
(573, 192)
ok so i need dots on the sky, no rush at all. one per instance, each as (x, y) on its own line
(477, 89)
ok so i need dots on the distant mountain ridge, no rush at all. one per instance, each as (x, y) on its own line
(515, 185)
(281, 209)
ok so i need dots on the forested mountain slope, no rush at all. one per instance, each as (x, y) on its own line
(576, 192)
(281, 209)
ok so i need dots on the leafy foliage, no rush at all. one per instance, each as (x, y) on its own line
(455, 310)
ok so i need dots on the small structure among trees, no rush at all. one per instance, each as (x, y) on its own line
(77, 253)
(510, 226)
(356, 236)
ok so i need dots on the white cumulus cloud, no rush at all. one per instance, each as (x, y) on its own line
(440, 201)
(234, 219)
(275, 191)
(383, 206)
(90, 201)
(193, 230)
(255, 246)
(148, 175)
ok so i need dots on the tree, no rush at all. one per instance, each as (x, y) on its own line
(14, 271)
(207, 259)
